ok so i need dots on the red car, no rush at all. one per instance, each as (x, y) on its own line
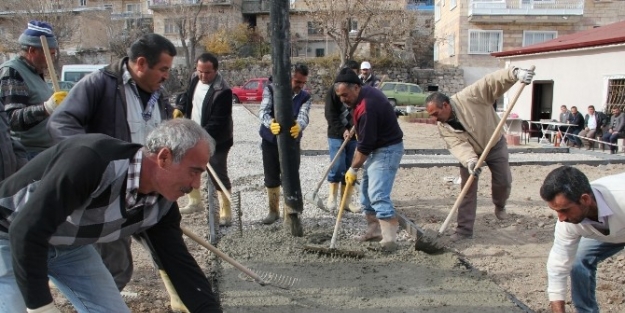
(251, 91)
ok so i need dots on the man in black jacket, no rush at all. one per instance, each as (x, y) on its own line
(576, 119)
(208, 102)
(94, 188)
(340, 121)
(124, 100)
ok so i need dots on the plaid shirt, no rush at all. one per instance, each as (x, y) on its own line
(133, 198)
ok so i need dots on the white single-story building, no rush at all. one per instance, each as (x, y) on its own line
(580, 69)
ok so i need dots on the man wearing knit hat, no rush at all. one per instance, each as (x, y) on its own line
(367, 76)
(379, 151)
(27, 98)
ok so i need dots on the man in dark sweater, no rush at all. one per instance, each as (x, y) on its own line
(576, 119)
(340, 121)
(379, 150)
(94, 188)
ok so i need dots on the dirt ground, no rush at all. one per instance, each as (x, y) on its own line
(508, 256)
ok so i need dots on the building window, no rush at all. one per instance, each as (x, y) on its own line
(485, 41)
(451, 45)
(353, 25)
(437, 12)
(452, 4)
(616, 94)
(170, 26)
(83, 3)
(314, 28)
(531, 37)
(133, 7)
(320, 52)
(108, 7)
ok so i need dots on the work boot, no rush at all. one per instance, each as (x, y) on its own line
(331, 203)
(354, 208)
(501, 214)
(389, 229)
(195, 202)
(458, 236)
(273, 198)
(176, 303)
(225, 210)
(373, 232)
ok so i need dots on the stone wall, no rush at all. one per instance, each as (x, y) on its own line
(448, 79)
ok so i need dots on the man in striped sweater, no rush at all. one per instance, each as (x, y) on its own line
(94, 188)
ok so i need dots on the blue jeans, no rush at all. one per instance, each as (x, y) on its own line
(583, 274)
(377, 180)
(611, 138)
(337, 172)
(77, 271)
(574, 139)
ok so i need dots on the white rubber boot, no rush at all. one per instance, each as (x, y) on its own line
(373, 232)
(176, 303)
(331, 203)
(195, 203)
(389, 234)
(225, 210)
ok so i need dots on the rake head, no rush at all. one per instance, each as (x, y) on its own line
(236, 204)
(272, 279)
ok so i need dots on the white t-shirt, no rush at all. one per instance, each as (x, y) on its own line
(592, 122)
(198, 101)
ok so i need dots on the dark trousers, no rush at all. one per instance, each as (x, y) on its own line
(219, 163)
(611, 138)
(497, 162)
(271, 164)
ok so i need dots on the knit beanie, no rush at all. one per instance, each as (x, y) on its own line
(30, 36)
(347, 75)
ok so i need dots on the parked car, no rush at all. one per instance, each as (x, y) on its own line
(250, 91)
(64, 85)
(399, 93)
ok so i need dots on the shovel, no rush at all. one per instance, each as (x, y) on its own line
(333, 250)
(314, 198)
(491, 142)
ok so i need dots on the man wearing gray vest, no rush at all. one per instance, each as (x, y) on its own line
(27, 98)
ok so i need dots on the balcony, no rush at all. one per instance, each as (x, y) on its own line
(525, 11)
(420, 5)
(156, 4)
(129, 15)
(255, 6)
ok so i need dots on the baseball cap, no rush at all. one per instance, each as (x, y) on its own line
(365, 65)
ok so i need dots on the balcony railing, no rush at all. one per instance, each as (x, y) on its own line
(526, 7)
(255, 6)
(165, 3)
(129, 15)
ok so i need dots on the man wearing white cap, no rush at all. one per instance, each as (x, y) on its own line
(27, 98)
(367, 76)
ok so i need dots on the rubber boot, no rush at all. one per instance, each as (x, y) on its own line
(273, 198)
(225, 210)
(331, 203)
(501, 214)
(195, 203)
(389, 229)
(354, 208)
(176, 303)
(373, 232)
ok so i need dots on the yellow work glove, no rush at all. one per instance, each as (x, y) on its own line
(54, 101)
(178, 114)
(274, 127)
(295, 130)
(351, 176)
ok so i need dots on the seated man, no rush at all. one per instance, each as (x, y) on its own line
(594, 122)
(94, 188)
(577, 120)
(616, 129)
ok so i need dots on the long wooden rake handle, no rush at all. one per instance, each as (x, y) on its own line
(51, 70)
(221, 185)
(335, 159)
(346, 195)
(491, 142)
(222, 255)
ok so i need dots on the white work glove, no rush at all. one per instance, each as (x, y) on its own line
(471, 164)
(50, 308)
(524, 76)
(351, 176)
(54, 101)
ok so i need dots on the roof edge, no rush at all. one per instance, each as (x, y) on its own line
(563, 47)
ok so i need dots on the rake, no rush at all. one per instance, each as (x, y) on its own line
(262, 278)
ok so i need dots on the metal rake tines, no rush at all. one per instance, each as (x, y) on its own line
(236, 204)
(273, 279)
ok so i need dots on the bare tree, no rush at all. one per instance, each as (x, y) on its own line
(384, 24)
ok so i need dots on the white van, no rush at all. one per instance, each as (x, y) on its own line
(74, 72)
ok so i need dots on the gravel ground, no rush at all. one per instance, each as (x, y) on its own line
(508, 257)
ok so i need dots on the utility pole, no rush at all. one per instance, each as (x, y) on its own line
(288, 148)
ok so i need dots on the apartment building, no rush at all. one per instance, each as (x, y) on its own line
(467, 32)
